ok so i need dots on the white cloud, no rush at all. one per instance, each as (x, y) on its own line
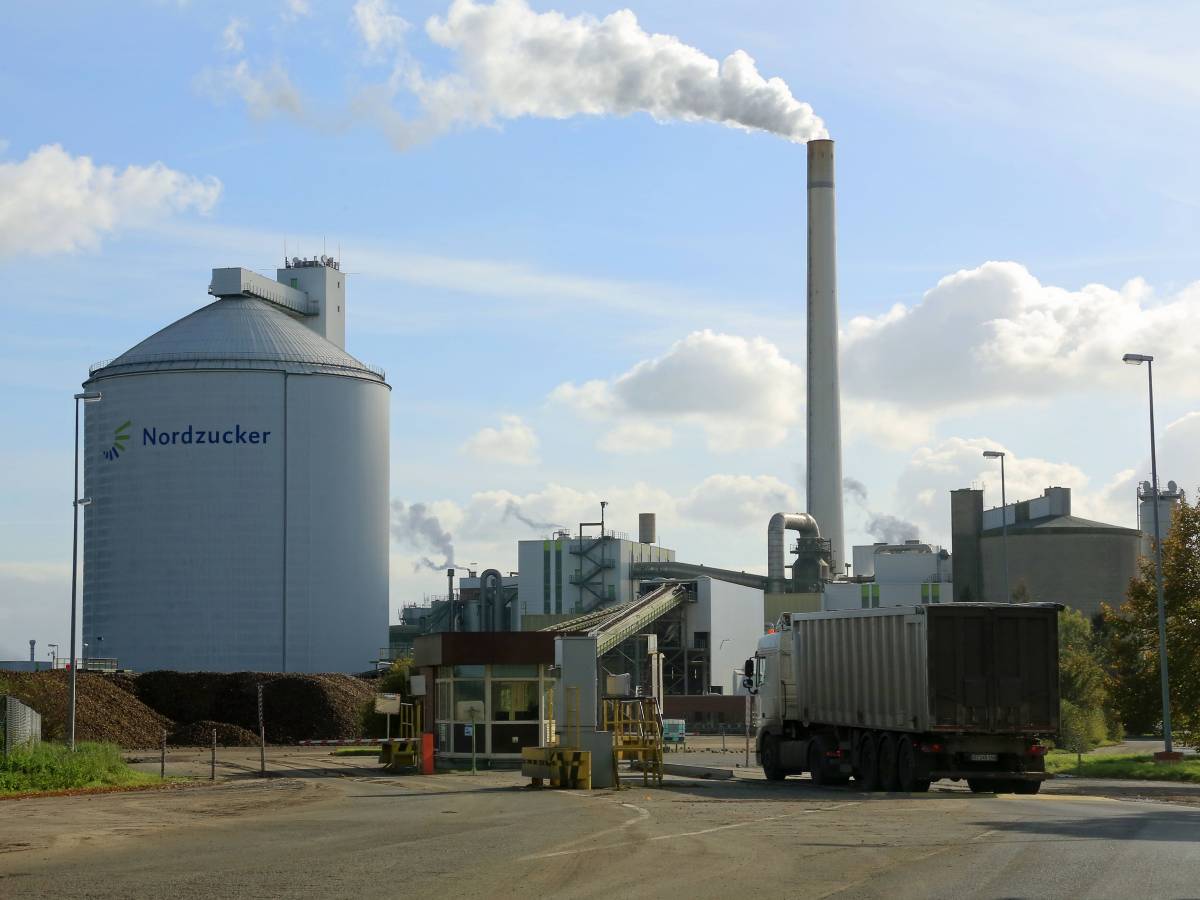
(379, 26)
(233, 38)
(995, 333)
(741, 391)
(53, 202)
(1178, 461)
(266, 93)
(732, 500)
(923, 488)
(513, 443)
(296, 9)
(636, 437)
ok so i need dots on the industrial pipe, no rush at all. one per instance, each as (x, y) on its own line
(491, 599)
(779, 524)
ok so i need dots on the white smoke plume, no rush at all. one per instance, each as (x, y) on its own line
(880, 526)
(414, 525)
(515, 62)
(511, 62)
(513, 510)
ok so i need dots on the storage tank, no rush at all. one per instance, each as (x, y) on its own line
(237, 464)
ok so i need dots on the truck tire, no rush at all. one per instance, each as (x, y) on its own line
(888, 779)
(908, 768)
(770, 759)
(1026, 787)
(819, 769)
(867, 771)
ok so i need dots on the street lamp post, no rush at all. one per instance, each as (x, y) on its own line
(76, 502)
(999, 454)
(1136, 359)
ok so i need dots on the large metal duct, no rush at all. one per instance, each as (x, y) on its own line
(779, 524)
(491, 599)
(824, 405)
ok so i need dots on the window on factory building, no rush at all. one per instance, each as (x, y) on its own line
(468, 699)
(546, 577)
(515, 701)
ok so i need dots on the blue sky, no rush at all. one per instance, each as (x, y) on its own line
(549, 293)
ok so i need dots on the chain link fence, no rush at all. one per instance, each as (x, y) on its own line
(19, 724)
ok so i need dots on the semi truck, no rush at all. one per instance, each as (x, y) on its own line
(898, 698)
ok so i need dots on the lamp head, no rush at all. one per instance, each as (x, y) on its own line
(88, 396)
(993, 454)
(1136, 359)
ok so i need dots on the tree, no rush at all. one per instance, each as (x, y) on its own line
(393, 681)
(1133, 636)
(1085, 720)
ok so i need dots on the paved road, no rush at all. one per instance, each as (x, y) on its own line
(333, 829)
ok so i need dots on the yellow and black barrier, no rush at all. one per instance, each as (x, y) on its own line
(560, 766)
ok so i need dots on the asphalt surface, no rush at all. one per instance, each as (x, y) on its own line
(339, 827)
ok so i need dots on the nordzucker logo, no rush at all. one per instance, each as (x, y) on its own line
(120, 439)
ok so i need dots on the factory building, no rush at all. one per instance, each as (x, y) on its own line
(1058, 557)
(565, 575)
(237, 466)
(909, 574)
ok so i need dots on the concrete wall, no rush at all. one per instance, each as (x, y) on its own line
(1078, 570)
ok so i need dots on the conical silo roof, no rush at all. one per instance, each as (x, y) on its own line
(237, 333)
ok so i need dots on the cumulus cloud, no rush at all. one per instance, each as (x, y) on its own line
(732, 500)
(923, 488)
(379, 26)
(512, 62)
(53, 202)
(741, 391)
(1178, 461)
(636, 437)
(514, 443)
(997, 333)
(233, 38)
(296, 9)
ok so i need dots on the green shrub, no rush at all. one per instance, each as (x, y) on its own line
(53, 767)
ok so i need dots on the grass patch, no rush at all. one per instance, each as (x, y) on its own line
(52, 767)
(356, 751)
(1136, 766)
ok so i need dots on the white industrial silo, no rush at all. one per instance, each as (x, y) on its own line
(238, 469)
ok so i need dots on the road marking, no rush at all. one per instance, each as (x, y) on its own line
(669, 837)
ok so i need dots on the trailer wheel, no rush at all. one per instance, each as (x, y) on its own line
(979, 786)
(1026, 787)
(867, 773)
(888, 778)
(770, 759)
(907, 768)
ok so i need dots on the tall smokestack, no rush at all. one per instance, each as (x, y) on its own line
(824, 400)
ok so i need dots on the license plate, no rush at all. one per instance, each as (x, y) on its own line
(984, 757)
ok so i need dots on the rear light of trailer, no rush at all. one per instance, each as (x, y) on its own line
(1037, 750)
(930, 748)
(835, 754)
